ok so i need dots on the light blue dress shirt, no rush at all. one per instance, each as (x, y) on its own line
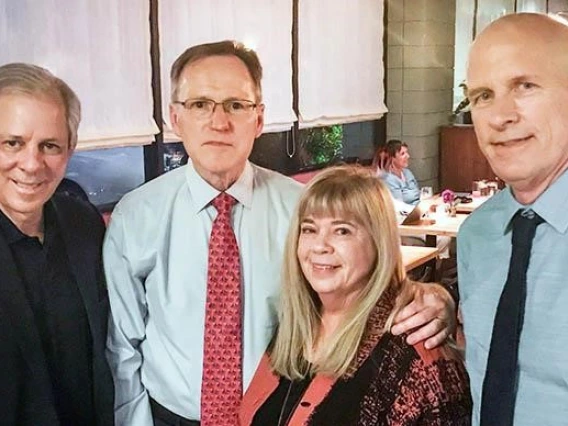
(484, 250)
(406, 190)
(155, 256)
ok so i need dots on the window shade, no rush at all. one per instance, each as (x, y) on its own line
(264, 25)
(101, 48)
(340, 61)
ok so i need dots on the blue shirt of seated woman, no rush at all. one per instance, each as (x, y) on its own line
(396, 174)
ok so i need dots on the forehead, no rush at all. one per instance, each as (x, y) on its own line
(503, 56)
(215, 76)
(329, 214)
(22, 114)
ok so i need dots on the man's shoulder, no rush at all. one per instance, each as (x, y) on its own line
(72, 209)
(150, 193)
(270, 180)
(485, 216)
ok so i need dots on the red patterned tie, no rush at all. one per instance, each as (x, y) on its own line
(221, 388)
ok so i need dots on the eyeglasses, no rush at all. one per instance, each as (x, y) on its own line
(204, 108)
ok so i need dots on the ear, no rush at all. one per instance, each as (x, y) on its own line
(259, 119)
(174, 118)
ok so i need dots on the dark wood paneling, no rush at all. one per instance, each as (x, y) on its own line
(461, 160)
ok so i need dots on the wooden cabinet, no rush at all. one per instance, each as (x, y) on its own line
(461, 161)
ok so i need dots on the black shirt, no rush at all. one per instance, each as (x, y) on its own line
(281, 404)
(59, 314)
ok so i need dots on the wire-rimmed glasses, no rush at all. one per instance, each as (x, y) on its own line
(204, 108)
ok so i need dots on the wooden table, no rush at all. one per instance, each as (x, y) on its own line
(463, 207)
(414, 256)
(447, 226)
(469, 207)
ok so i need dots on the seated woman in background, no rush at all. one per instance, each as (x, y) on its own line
(333, 360)
(404, 188)
(396, 174)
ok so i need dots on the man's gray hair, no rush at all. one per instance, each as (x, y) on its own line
(37, 81)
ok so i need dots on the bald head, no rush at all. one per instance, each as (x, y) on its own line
(537, 23)
(517, 80)
(526, 30)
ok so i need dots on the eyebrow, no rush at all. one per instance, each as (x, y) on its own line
(513, 81)
(205, 98)
(22, 139)
(10, 136)
(335, 222)
(524, 77)
(474, 92)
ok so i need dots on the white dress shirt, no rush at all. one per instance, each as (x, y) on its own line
(155, 256)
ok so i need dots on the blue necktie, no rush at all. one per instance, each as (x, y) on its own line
(500, 383)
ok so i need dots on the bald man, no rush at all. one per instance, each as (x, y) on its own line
(518, 87)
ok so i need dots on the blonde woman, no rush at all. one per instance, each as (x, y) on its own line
(333, 360)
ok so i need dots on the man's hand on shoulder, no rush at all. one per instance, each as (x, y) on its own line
(431, 316)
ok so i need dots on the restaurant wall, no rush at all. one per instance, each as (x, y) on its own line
(420, 54)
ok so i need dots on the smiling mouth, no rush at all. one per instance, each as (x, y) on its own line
(218, 143)
(28, 187)
(322, 267)
(510, 142)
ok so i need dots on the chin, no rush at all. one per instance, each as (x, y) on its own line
(509, 171)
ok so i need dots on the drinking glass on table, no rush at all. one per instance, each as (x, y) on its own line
(475, 189)
(426, 192)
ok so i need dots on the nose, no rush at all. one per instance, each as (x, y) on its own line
(220, 118)
(321, 243)
(31, 159)
(503, 112)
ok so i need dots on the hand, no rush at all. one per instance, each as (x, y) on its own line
(432, 313)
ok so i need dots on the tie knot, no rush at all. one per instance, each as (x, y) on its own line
(223, 203)
(527, 218)
(524, 226)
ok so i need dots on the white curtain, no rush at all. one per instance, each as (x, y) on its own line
(464, 37)
(101, 48)
(340, 61)
(490, 10)
(531, 6)
(264, 25)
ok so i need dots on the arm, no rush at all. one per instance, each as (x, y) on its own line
(435, 391)
(432, 313)
(444, 389)
(126, 329)
(413, 190)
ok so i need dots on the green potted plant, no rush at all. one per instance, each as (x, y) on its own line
(324, 144)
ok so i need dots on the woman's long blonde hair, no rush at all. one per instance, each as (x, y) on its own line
(353, 193)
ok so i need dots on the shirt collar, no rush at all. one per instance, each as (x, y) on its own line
(13, 234)
(10, 231)
(203, 193)
(550, 205)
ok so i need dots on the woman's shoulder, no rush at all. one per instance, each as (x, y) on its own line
(419, 385)
(408, 175)
(441, 367)
(391, 179)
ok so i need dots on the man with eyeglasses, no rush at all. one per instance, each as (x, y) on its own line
(193, 258)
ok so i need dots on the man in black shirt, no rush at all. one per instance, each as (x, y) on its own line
(53, 300)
